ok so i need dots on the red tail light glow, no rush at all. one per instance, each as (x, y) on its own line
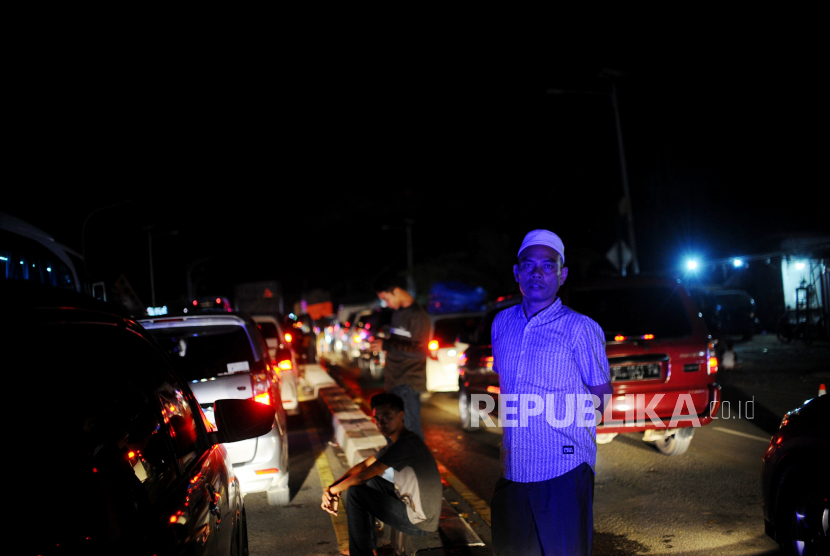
(620, 338)
(712, 361)
(261, 387)
(433, 345)
(288, 337)
(284, 365)
(265, 398)
(648, 336)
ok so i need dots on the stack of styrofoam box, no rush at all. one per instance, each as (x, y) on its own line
(354, 431)
(315, 377)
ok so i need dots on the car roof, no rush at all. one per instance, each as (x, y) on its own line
(461, 314)
(220, 319)
(51, 304)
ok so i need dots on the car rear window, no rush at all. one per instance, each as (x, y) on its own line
(448, 330)
(205, 351)
(634, 311)
(268, 329)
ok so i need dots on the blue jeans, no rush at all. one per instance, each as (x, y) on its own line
(374, 499)
(411, 407)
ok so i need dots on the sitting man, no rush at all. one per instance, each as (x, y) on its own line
(412, 505)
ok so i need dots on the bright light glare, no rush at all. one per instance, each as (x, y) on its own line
(799, 265)
(691, 265)
(737, 262)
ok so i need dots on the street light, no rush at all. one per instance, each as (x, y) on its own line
(623, 168)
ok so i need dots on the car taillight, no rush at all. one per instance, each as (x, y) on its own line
(284, 365)
(712, 360)
(433, 349)
(261, 387)
(288, 337)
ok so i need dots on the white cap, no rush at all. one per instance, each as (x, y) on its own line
(544, 237)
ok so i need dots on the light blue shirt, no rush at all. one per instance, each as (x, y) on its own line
(550, 358)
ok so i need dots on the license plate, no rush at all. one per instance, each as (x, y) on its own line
(635, 372)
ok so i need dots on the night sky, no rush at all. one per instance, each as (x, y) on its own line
(287, 163)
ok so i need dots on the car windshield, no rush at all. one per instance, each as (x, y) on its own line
(448, 330)
(482, 334)
(634, 311)
(206, 351)
(268, 329)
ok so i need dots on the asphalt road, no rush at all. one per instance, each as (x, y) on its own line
(705, 502)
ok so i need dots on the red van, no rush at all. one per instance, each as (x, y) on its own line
(661, 355)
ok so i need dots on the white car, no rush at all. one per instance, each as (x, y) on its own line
(283, 358)
(224, 355)
(448, 340)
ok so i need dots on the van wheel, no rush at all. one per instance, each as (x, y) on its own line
(464, 411)
(677, 443)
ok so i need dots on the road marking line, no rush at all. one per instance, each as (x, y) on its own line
(479, 505)
(742, 434)
(339, 522)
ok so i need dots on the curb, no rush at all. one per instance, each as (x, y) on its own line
(359, 438)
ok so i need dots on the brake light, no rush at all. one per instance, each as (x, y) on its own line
(648, 336)
(265, 398)
(433, 345)
(712, 361)
(284, 365)
(620, 338)
(261, 387)
(288, 337)
(487, 362)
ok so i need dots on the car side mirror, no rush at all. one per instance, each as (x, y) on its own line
(240, 420)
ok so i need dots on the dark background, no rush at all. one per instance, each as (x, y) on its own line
(283, 155)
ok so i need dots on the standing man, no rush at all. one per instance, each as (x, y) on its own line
(412, 505)
(405, 373)
(546, 354)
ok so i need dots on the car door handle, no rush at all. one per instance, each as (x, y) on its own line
(213, 503)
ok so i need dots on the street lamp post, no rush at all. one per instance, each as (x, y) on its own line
(623, 166)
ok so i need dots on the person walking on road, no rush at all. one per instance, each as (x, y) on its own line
(412, 504)
(546, 353)
(405, 373)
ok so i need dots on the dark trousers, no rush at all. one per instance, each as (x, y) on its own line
(411, 407)
(374, 499)
(546, 518)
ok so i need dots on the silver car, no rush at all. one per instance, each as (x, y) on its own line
(224, 356)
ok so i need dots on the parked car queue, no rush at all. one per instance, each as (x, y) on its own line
(123, 459)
